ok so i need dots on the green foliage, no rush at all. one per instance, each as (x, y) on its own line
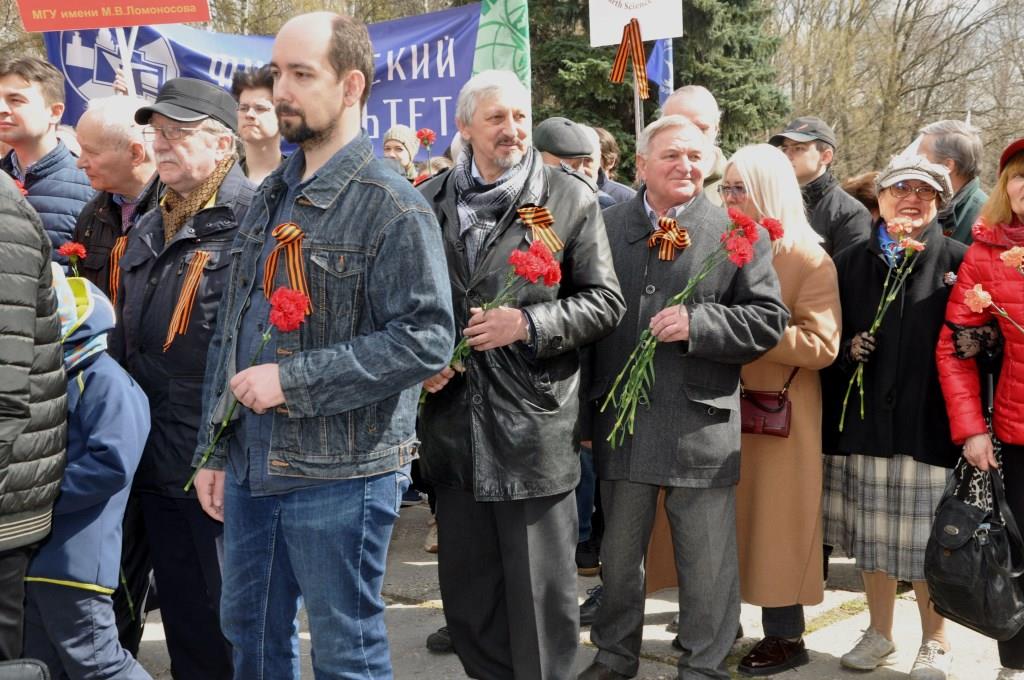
(725, 48)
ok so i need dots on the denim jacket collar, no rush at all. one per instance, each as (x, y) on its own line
(332, 178)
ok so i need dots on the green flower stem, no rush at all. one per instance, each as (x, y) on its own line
(638, 371)
(232, 405)
(890, 289)
(1002, 312)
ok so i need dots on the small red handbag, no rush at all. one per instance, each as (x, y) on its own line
(766, 412)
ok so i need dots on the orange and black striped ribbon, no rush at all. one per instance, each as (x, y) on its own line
(115, 267)
(632, 46)
(187, 297)
(289, 241)
(539, 220)
(669, 237)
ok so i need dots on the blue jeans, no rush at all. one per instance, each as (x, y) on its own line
(327, 545)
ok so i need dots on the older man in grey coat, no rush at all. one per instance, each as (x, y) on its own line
(687, 439)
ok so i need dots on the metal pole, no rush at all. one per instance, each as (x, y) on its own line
(638, 105)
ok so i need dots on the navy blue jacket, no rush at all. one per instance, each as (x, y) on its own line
(58, 191)
(108, 421)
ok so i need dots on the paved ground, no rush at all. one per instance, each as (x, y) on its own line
(414, 610)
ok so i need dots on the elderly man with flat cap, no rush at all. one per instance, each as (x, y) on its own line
(564, 143)
(170, 279)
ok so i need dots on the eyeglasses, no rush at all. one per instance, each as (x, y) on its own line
(738, 191)
(258, 109)
(170, 133)
(903, 189)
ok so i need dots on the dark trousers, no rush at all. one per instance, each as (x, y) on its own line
(703, 524)
(783, 622)
(507, 571)
(13, 565)
(131, 599)
(73, 632)
(185, 547)
(1011, 652)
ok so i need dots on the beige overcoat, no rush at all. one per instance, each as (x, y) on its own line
(778, 500)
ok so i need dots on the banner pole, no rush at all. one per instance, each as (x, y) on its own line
(125, 49)
(638, 106)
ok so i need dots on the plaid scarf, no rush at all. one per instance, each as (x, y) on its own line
(481, 206)
(177, 209)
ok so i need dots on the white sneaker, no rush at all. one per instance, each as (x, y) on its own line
(870, 652)
(1010, 674)
(932, 662)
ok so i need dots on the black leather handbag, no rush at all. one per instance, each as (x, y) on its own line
(972, 556)
(23, 669)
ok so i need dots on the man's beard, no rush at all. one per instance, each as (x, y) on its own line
(510, 161)
(301, 133)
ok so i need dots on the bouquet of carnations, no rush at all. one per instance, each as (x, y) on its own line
(633, 383)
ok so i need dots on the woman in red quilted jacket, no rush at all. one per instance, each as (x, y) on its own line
(991, 267)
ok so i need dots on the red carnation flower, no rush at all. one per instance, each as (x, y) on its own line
(426, 136)
(70, 249)
(745, 224)
(739, 247)
(774, 228)
(535, 264)
(288, 309)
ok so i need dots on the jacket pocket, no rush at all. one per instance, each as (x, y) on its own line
(336, 281)
(519, 385)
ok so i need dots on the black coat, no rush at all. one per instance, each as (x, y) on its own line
(839, 217)
(33, 389)
(152, 275)
(99, 226)
(904, 413)
(507, 428)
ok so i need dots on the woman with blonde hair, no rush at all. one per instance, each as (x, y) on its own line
(778, 500)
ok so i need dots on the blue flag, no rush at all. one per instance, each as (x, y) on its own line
(659, 69)
(421, 64)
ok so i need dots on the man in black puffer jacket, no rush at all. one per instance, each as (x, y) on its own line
(33, 403)
(34, 94)
(810, 145)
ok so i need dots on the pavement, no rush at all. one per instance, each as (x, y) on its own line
(834, 626)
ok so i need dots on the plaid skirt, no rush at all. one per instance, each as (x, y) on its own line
(879, 511)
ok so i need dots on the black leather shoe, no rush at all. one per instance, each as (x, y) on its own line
(598, 671)
(440, 641)
(773, 655)
(591, 605)
(676, 644)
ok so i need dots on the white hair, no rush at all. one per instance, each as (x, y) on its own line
(696, 95)
(487, 84)
(643, 143)
(116, 116)
(771, 184)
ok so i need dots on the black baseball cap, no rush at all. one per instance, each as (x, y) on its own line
(806, 129)
(188, 100)
(563, 138)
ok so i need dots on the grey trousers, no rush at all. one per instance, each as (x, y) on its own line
(703, 523)
(507, 571)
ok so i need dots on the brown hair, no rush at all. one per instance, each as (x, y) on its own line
(256, 79)
(997, 208)
(349, 49)
(609, 150)
(862, 187)
(35, 70)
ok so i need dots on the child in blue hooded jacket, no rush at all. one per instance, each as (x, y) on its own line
(69, 613)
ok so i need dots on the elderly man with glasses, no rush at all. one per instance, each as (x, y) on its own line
(169, 283)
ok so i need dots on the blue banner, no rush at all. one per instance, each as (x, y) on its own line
(659, 68)
(421, 64)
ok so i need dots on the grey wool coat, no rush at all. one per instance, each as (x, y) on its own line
(689, 434)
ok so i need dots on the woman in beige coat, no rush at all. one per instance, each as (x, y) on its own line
(778, 500)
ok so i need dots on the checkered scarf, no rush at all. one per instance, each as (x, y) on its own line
(481, 206)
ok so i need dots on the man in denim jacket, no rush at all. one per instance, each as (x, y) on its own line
(308, 479)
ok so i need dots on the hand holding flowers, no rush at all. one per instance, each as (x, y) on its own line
(903, 255)
(978, 299)
(287, 312)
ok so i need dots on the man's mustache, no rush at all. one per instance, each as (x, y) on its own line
(286, 110)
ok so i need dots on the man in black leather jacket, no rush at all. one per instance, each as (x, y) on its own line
(499, 438)
(810, 145)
